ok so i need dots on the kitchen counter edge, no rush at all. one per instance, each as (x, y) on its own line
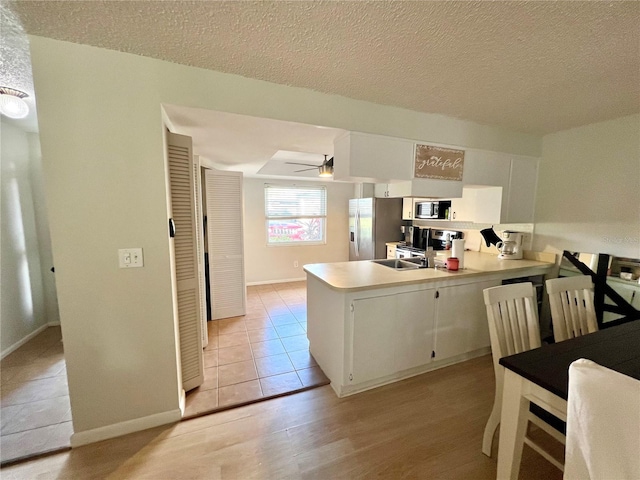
(366, 275)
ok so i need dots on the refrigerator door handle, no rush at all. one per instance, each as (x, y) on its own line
(357, 230)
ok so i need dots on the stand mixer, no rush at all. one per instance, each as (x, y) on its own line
(510, 245)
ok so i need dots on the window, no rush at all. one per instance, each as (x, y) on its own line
(295, 214)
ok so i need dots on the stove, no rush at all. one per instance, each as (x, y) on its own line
(404, 251)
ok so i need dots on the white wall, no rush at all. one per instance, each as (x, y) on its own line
(26, 254)
(588, 195)
(100, 123)
(275, 263)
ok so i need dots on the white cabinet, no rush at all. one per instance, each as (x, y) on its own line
(391, 333)
(479, 204)
(392, 190)
(486, 168)
(408, 204)
(413, 335)
(521, 201)
(517, 175)
(461, 209)
(394, 333)
(389, 162)
(372, 353)
(461, 319)
(373, 158)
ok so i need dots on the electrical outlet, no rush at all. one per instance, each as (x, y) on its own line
(295, 264)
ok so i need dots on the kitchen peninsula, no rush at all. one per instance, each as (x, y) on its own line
(369, 325)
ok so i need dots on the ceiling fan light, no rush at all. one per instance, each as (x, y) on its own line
(326, 170)
(12, 104)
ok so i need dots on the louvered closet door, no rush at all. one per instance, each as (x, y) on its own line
(197, 188)
(183, 207)
(225, 243)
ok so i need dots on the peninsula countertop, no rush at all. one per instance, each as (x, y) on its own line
(365, 274)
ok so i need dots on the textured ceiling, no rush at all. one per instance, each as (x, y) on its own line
(535, 67)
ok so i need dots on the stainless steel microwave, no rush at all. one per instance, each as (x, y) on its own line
(438, 209)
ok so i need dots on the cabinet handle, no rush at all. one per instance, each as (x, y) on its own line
(454, 215)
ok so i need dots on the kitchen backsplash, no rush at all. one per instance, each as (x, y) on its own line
(472, 236)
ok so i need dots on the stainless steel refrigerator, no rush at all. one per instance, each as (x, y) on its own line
(372, 223)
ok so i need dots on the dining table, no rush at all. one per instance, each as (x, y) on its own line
(541, 376)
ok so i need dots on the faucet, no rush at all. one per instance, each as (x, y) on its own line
(429, 259)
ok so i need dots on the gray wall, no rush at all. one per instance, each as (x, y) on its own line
(588, 197)
(28, 288)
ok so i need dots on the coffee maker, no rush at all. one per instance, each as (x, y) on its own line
(510, 246)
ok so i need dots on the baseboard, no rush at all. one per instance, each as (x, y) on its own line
(53, 324)
(267, 282)
(19, 343)
(123, 428)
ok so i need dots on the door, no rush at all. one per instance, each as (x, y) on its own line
(413, 332)
(461, 319)
(372, 352)
(185, 252)
(197, 189)
(365, 228)
(225, 243)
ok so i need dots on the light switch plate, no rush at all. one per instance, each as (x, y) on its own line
(130, 258)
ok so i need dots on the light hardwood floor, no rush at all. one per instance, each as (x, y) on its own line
(427, 427)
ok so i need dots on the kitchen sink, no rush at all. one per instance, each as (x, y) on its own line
(398, 264)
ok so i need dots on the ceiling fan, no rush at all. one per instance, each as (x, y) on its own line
(326, 169)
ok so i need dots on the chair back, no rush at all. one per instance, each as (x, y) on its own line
(603, 423)
(572, 310)
(512, 314)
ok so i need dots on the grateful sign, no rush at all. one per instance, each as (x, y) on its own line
(438, 163)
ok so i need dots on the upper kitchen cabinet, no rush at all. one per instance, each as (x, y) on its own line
(389, 162)
(517, 175)
(522, 190)
(392, 190)
(479, 204)
(372, 158)
(488, 168)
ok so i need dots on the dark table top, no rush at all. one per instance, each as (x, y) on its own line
(617, 348)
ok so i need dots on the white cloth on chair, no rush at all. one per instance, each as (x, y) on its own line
(603, 424)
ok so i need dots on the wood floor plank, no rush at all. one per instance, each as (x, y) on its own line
(429, 426)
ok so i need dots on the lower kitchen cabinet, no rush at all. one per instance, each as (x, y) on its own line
(394, 333)
(461, 319)
(413, 329)
(372, 327)
(391, 333)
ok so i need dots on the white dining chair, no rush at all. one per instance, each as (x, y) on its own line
(572, 310)
(512, 314)
(603, 424)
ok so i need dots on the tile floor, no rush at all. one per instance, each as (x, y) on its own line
(259, 355)
(35, 414)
